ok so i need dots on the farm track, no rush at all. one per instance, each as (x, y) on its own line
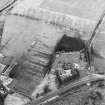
(4, 4)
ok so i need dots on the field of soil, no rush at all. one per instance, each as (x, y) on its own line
(90, 9)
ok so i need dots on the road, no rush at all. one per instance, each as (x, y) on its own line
(52, 97)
